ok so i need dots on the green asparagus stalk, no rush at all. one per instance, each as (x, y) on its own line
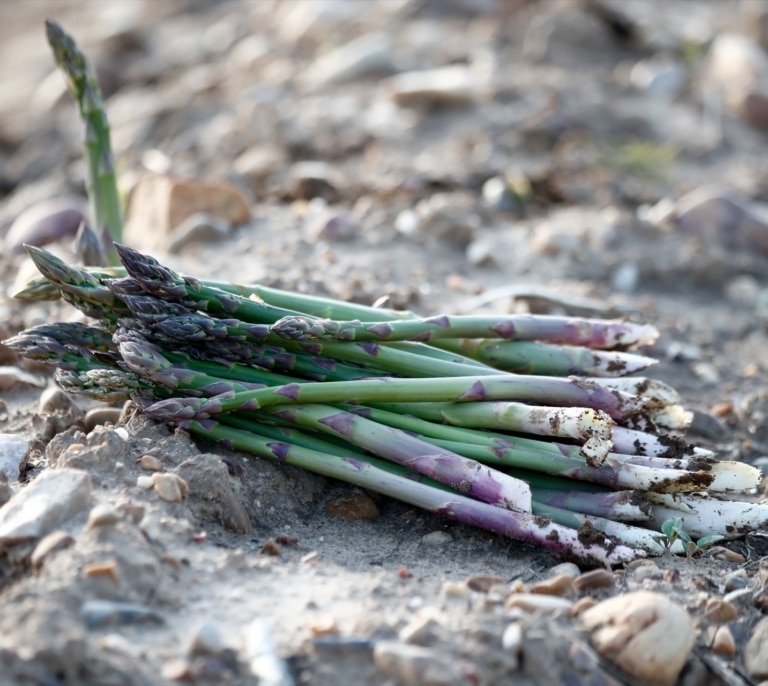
(549, 359)
(593, 333)
(106, 210)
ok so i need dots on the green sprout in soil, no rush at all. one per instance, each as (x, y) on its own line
(673, 530)
(104, 198)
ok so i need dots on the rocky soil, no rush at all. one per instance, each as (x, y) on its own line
(440, 155)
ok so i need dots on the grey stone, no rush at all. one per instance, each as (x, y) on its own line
(13, 450)
(45, 504)
(366, 55)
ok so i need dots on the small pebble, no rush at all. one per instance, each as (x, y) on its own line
(564, 568)
(454, 589)
(54, 399)
(98, 614)
(324, 626)
(736, 580)
(103, 569)
(366, 55)
(423, 630)
(436, 538)
(170, 487)
(733, 557)
(719, 611)
(596, 578)
(644, 572)
(314, 180)
(144, 481)
(410, 665)
(205, 639)
(512, 638)
(723, 642)
(150, 463)
(271, 547)
(582, 605)
(557, 585)
(352, 506)
(102, 515)
(533, 602)
(261, 656)
(53, 542)
(101, 416)
(451, 86)
(483, 583)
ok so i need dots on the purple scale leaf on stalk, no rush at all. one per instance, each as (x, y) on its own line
(371, 348)
(359, 465)
(342, 422)
(441, 320)
(311, 348)
(280, 450)
(325, 363)
(382, 330)
(476, 392)
(258, 331)
(289, 390)
(505, 328)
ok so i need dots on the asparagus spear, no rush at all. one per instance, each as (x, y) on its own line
(548, 359)
(106, 211)
(593, 333)
(550, 390)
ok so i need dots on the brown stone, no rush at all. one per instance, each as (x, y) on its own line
(642, 633)
(719, 611)
(557, 585)
(161, 203)
(723, 642)
(352, 506)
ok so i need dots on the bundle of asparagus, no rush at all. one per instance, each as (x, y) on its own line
(528, 426)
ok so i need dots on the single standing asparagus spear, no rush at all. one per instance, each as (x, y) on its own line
(106, 212)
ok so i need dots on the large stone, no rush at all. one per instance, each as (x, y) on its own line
(50, 500)
(46, 222)
(756, 652)
(717, 216)
(159, 204)
(643, 633)
(738, 68)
